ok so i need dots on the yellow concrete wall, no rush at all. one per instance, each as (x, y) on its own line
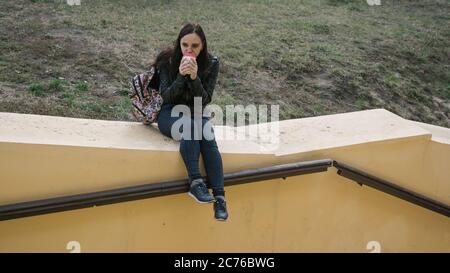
(316, 212)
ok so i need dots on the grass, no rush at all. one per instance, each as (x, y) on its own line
(311, 57)
(56, 85)
(81, 86)
(37, 89)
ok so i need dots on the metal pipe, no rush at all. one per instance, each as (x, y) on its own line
(64, 203)
(363, 178)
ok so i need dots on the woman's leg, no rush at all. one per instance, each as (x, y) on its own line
(214, 171)
(190, 151)
(189, 148)
(213, 162)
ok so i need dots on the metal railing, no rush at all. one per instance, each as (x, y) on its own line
(65, 203)
(363, 178)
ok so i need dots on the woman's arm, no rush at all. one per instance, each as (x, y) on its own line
(206, 90)
(170, 93)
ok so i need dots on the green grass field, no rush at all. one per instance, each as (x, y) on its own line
(311, 57)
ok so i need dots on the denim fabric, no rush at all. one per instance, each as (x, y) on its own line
(190, 148)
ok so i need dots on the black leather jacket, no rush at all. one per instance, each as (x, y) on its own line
(182, 89)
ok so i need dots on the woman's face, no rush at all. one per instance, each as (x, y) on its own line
(191, 43)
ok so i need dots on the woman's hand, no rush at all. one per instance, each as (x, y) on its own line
(188, 66)
(183, 69)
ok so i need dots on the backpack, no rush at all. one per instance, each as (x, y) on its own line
(145, 97)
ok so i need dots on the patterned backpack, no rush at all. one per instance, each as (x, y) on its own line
(145, 97)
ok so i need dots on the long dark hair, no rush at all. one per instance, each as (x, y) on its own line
(171, 56)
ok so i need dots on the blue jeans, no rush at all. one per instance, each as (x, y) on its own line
(190, 148)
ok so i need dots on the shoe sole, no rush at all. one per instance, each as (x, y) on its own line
(220, 219)
(198, 201)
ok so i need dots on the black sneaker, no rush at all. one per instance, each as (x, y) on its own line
(220, 209)
(199, 192)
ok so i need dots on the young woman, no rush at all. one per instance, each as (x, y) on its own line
(187, 71)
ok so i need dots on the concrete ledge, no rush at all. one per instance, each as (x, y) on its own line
(295, 136)
(439, 134)
(339, 130)
(50, 130)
